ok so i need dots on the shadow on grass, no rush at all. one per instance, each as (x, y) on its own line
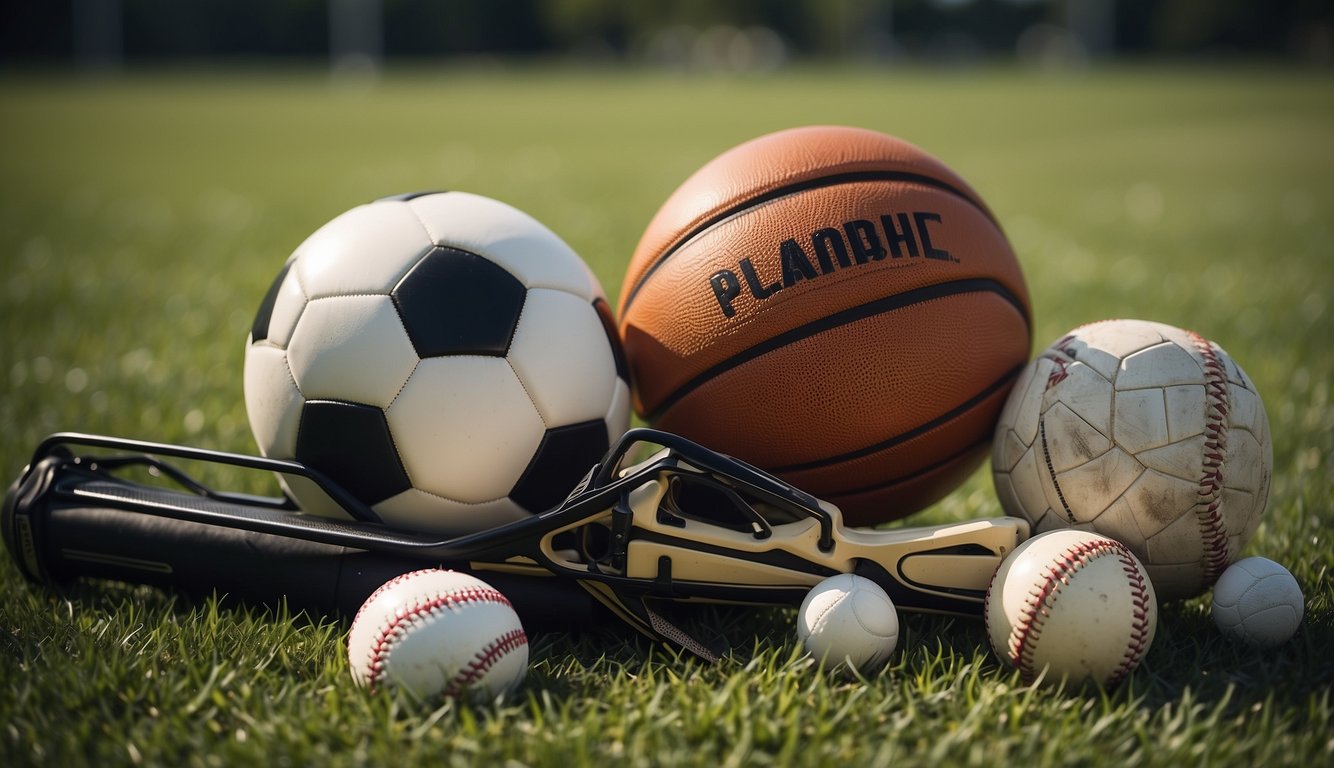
(1189, 660)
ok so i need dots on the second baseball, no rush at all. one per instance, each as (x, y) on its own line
(1076, 606)
(436, 632)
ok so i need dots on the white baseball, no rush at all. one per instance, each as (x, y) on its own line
(849, 620)
(1257, 601)
(1073, 603)
(436, 632)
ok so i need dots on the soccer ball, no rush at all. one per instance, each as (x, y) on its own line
(443, 356)
(1145, 433)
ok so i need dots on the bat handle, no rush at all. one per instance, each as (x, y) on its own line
(54, 542)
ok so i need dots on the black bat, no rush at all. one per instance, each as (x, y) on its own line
(685, 525)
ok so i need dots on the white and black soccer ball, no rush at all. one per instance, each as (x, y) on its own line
(443, 356)
(1146, 433)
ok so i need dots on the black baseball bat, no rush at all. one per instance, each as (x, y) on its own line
(685, 525)
(61, 524)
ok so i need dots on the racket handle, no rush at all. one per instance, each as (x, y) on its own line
(57, 544)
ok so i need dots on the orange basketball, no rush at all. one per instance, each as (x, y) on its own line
(833, 305)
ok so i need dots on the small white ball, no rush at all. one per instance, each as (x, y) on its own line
(1257, 601)
(435, 632)
(849, 620)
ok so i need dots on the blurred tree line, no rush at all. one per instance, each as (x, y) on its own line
(671, 31)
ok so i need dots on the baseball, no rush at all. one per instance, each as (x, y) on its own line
(1078, 605)
(1258, 602)
(849, 620)
(435, 632)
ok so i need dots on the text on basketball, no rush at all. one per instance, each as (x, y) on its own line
(856, 242)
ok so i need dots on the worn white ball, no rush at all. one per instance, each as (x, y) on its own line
(1144, 432)
(849, 621)
(1075, 605)
(436, 633)
(1257, 601)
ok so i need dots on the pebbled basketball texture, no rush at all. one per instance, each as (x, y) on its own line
(834, 305)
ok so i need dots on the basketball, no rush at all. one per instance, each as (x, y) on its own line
(833, 305)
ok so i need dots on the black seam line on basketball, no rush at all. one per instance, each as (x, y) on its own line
(831, 180)
(913, 476)
(1051, 470)
(845, 317)
(972, 402)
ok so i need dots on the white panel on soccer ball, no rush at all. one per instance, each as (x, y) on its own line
(1179, 336)
(1161, 501)
(1235, 375)
(1183, 459)
(1185, 411)
(561, 353)
(617, 420)
(351, 348)
(509, 237)
(1244, 467)
(1120, 522)
(1031, 483)
(618, 415)
(1091, 487)
(1051, 520)
(1237, 509)
(1005, 493)
(1164, 365)
(465, 427)
(1141, 420)
(287, 306)
(1094, 359)
(1007, 450)
(1085, 392)
(1244, 409)
(1178, 542)
(1103, 345)
(272, 400)
(333, 261)
(1023, 407)
(1070, 440)
(418, 510)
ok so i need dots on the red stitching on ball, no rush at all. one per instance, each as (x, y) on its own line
(1060, 372)
(414, 614)
(399, 579)
(1140, 626)
(1023, 639)
(486, 659)
(1213, 532)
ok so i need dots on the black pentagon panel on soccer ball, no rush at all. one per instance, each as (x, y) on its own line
(259, 330)
(351, 444)
(560, 462)
(453, 302)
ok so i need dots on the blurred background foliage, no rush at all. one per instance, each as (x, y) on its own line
(682, 34)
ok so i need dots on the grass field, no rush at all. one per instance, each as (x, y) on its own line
(141, 220)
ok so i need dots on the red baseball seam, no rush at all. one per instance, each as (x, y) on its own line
(1140, 626)
(1060, 372)
(1213, 532)
(399, 579)
(411, 615)
(1027, 631)
(486, 659)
